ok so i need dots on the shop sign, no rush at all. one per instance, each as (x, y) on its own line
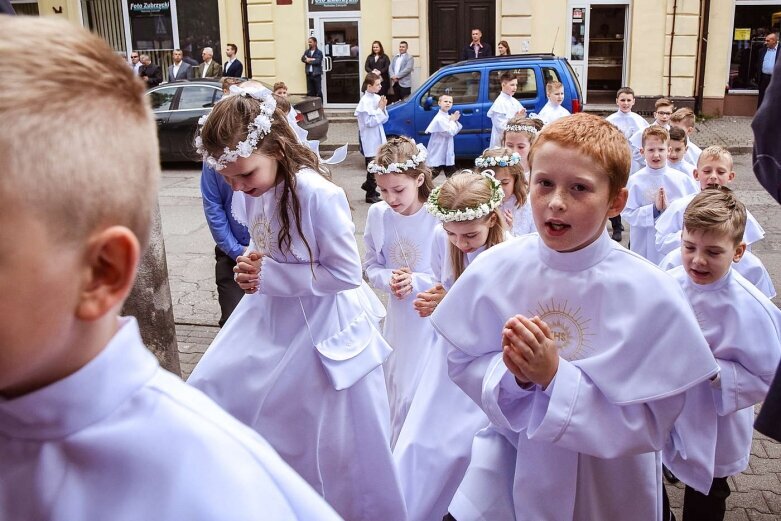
(334, 5)
(149, 8)
(577, 15)
(742, 35)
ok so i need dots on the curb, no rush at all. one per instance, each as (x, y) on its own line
(351, 147)
(740, 149)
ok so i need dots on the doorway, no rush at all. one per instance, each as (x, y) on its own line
(450, 23)
(341, 61)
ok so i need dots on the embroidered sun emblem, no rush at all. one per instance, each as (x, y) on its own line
(404, 252)
(263, 236)
(569, 327)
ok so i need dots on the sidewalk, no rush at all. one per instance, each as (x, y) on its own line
(756, 493)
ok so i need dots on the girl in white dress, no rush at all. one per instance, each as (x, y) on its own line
(300, 360)
(507, 167)
(433, 449)
(398, 238)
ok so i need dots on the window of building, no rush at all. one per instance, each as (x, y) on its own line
(527, 83)
(463, 86)
(199, 27)
(27, 7)
(753, 21)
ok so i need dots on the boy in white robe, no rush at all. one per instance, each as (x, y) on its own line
(651, 190)
(90, 426)
(715, 168)
(662, 113)
(684, 119)
(712, 437)
(371, 114)
(628, 123)
(589, 402)
(505, 106)
(553, 110)
(443, 128)
(676, 156)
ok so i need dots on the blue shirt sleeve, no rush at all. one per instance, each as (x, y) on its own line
(217, 213)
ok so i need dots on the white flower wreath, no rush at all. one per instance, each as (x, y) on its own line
(395, 168)
(522, 128)
(488, 162)
(446, 215)
(256, 129)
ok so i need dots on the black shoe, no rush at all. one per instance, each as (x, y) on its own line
(364, 187)
(616, 235)
(373, 198)
(669, 476)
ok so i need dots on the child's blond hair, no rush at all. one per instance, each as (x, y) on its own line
(657, 132)
(400, 150)
(716, 210)
(685, 116)
(552, 86)
(529, 127)
(718, 153)
(464, 190)
(79, 142)
(663, 102)
(516, 172)
(594, 138)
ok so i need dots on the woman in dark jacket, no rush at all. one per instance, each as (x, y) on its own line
(379, 63)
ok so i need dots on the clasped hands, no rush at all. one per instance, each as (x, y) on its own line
(427, 301)
(529, 351)
(247, 271)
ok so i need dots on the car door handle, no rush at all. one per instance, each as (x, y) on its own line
(467, 111)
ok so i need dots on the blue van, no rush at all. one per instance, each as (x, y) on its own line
(474, 85)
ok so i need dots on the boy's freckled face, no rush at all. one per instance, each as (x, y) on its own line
(557, 96)
(707, 255)
(677, 151)
(625, 103)
(570, 197)
(714, 171)
(40, 280)
(655, 152)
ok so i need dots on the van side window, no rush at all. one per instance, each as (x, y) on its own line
(463, 86)
(527, 83)
(550, 74)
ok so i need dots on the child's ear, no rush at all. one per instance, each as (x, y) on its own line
(696, 174)
(731, 176)
(618, 203)
(642, 150)
(111, 258)
(420, 180)
(739, 251)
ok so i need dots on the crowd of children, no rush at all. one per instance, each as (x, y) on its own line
(523, 351)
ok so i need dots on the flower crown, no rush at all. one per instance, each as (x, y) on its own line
(522, 128)
(446, 215)
(256, 129)
(395, 168)
(487, 162)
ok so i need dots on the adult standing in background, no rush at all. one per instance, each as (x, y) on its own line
(401, 74)
(233, 67)
(313, 58)
(150, 72)
(765, 63)
(477, 48)
(378, 63)
(135, 62)
(209, 68)
(503, 48)
(179, 70)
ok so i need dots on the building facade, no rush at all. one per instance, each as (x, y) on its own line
(700, 52)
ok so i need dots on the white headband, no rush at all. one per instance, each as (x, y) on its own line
(395, 168)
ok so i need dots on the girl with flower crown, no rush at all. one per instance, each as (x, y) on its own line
(433, 449)
(299, 360)
(507, 167)
(519, 136)
(398, 261)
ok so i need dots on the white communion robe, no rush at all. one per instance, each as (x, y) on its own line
(396, 241)
(683, 166)
(503, 109)
(749, 266)
(669, 226)
(628, 123)
(441, 151)
(587, 444)
(370, 120)
(712, 436)
(693, 153)
(300, 361)
(434, 445)
(125, 440)
(523, 220)
(639, 210)
(551, 113)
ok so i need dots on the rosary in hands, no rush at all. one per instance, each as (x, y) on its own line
(247, 271)
(529, 350)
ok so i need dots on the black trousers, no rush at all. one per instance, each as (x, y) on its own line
(764, 81)
(449, 170)
(399, 93)
(370, 185)
(313, 85)
(228, 292)
(701, 507)
(615, 222)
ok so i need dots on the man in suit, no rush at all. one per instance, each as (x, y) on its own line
(401, 74)
(765, 63)
(149, 72)
(179, 70)
(135, 62)
(233, 67)
(209, 68)
(313, 58)
(477, 48)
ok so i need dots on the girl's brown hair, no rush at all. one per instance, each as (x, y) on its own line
(464, 190)
(369, 80)
(400, 150)
(227, 125)
(522, 121)
(520, 190)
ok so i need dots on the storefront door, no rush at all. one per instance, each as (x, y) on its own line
(341, 60)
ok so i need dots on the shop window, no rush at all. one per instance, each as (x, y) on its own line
(527, 83)
(199, 27)
(463, 86)
(753, 21)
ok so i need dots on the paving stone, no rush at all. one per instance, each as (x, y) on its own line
(753, 515)
(734, 515)
(773, 500)
(753, 499)
(747, 482)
